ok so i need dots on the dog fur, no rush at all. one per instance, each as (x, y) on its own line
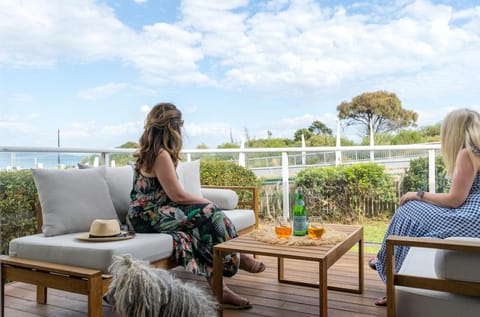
(138, 289)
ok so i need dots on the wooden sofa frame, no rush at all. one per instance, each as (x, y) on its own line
(444, 285)
(90, 282)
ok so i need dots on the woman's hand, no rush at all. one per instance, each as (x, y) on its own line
(407, 197)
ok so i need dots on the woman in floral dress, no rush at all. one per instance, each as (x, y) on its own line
(159, 204)
(442, 215)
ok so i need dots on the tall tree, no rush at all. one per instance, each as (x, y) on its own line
(307, 134)
(380, 110)
(319, 128)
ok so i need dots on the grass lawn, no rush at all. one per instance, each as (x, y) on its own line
(373, 232)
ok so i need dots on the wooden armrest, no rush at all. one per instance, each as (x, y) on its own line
(457, 245)
(253, 203)
(437, 284)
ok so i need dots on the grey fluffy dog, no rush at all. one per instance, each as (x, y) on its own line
(138, 289)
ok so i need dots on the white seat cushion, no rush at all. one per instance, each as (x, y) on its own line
(456, 265)
(66, 249)
(420, 302)
(241, 218)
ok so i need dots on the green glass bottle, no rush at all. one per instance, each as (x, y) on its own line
(299, 214)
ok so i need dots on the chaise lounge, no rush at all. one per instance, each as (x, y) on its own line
(70, 200)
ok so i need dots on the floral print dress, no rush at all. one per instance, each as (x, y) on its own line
(195, 228)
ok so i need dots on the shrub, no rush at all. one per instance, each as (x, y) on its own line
(228, 174)
(17, 206)
(346, 193)
(225, 174)
(416, 178)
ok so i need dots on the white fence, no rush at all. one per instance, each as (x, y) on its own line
(282, 163)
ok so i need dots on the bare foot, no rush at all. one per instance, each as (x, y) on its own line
(249, 264)
(234, 301)
(230, 299)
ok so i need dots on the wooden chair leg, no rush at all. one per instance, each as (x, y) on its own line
(95, 296)
(2, 292)
(41, 294)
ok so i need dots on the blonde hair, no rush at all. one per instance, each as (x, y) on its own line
(460, 129)
(162, 131)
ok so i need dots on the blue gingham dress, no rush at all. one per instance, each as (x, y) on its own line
(421, 219)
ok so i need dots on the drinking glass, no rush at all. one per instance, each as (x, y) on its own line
(315, 227)
(283, 227)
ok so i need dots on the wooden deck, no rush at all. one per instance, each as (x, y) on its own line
(269, 298)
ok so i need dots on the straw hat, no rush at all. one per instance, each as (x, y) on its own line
(104, 230)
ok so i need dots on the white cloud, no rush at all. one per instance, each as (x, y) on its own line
(298, 44)
(128, 128)
(145, 108)
(206, 129)
(46, 31)
(102, 91)
(167, 53)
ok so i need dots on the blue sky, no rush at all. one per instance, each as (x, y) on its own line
(93, 68)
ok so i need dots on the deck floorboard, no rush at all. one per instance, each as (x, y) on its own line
(268, 296)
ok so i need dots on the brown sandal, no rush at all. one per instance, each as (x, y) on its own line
(255, 266)
(372, 263)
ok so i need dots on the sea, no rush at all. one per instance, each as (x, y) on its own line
(27, 160)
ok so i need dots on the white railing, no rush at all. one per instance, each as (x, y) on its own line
(285, 161)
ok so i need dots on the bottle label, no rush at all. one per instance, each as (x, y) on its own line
(300, 223)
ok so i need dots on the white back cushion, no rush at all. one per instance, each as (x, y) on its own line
(120, 182)
(72, 199)
(189, 177)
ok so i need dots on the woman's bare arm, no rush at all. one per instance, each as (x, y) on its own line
(165, 172)
(462, 181)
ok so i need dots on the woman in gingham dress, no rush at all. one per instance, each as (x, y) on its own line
(442, 215)
(159, 204)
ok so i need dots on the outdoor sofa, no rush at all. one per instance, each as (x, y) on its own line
(69, 200)
(438, 278)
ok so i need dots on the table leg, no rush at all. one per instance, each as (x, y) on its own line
(2, 291)
(323, 289)
(361, 278)
(281, 268)
(217, 279)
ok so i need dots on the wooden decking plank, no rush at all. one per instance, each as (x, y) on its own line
(269, 298)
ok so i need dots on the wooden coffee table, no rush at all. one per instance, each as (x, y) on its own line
(326, 255)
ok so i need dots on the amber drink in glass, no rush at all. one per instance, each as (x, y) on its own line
(283, 228)
(315, 227)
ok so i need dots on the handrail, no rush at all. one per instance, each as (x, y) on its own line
(427, 146)
(430, 148)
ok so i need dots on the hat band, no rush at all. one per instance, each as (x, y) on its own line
(121, 234)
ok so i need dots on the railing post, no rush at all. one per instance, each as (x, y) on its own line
(304, 154)
(431, 171)
(241, 155)
(286, 195)
(106, 158)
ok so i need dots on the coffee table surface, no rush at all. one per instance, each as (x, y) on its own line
(248, 244)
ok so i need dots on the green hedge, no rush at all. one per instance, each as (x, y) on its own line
(18, 194)
(228, 174)
(17, 206)
(348, 193)
(416, 178)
